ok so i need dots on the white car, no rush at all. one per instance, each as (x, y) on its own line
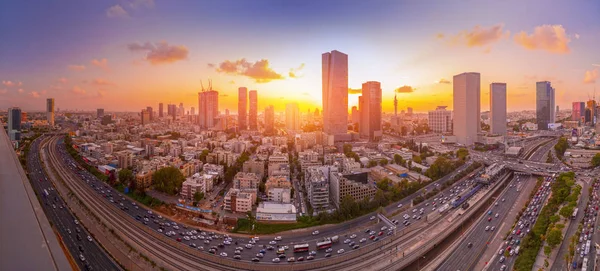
(278, 238)
(353, 236)
(223, 254)
(372, 217)
(400, 205)
(276, 260)
(272, 243)
(315, 232)
(89, 238)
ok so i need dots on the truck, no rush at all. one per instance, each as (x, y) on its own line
(334, 239)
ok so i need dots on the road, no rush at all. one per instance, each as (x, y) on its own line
(468, 251)
(63, 220)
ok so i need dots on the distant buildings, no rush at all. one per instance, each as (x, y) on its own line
(242, 108)
(292, 117)
(578, 111)
(150, 113)
(145, 116)
(99, 113)
(440, 120)
(275, 161)
(50, 111)
(335, 93)
(160, 110)
(370, 111)
(172, 111)
(246, 180)
(253, 111)
(544, 106)
(466, 93)
(355, 115)
(14, 123)
(208, 108)
(270, 119)
(498, 108)
(255, 166)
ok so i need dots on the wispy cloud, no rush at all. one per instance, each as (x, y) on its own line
(444, 81)
(76, 67)
(295, 72)
(116, 11)
(77, 90)
(102, 82)
(597, 65)
(405, 89)
(551, 38)
(101, 63)
(590, 77)
(161, 52)
(260, 70)
(479, 36)
(9, 83)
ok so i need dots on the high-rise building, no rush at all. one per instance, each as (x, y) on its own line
(150, 113)
(160, 110)
(14, 123)
(50, 111)
(544, 106)
(591, 106)
(355, 115)
(172, 110)
(181, 110)
(292, 117)
(440, 120)
(467, 107)
(145, 117)
(242, 108)
(395, 105)
(578, 111)
(409, 111)
(208, 108)
(370, 111)
(192, 111)
(335, 92)
(253, 110)
(99, 113)
(498, 108)
(269, 119)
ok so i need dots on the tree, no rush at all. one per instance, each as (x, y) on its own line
(126, 176)
(549, 159)
(383, 162)
(372, 163)
(596, 160)
(566, 211)
(554, 238)
(384, 184)
(561, 147)
(398, 159)
(462, 153)
(168, 180)
(198, 196)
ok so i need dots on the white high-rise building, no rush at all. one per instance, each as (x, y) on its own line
(498, 108)
(467, 107)
(292, 117)
(50, 111)
(335, 93)
(440, 120)
(370, 111)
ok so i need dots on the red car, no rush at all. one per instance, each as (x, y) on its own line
(178, 239)
(380, 233)
(489, 219)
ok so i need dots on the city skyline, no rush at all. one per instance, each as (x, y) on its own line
(131, 67)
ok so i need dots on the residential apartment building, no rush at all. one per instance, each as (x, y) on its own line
(240, 201)
(277, 182)
(275, 160)
(356, 185)
(201, 183)
(440, 120)
(255, 166)
(246, 180)
(143, 179)
(316, 181)
(280, 195)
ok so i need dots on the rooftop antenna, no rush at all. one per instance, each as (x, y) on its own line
(209, 84)
(201, 85)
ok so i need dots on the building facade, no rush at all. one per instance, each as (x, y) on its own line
(270, 119)
(544, 105)
(242, 108)
(342, 185)
(50, 111)
(292, 117)
(316, 181)
(440, 120)
(498, 108)
(370, 111)
(335, 92)
(578, 111)
(253, 110)
(245, 180)
(208, 108)
(466, 107)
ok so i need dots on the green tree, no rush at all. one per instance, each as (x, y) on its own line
(561, 146)
(554, 238)
(168, 180)
(596, 160)
(198, 196)
(126, 176)
(462, 153)
(383, 162)
(398, 159)
(566, 211)
(372, 163)
(384, 184)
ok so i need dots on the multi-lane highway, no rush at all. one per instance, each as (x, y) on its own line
(201, 241)
(86, 252)
(468, 251)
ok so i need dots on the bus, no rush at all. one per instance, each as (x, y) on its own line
(324, 244)
(574, 213)
(584, 265)
(46, 193)
(301, 248)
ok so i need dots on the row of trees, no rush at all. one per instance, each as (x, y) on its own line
(168, 180)
(561, 147)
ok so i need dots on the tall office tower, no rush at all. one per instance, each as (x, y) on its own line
(292, 117)
(440, 120)
(316, 112)
(355, 115)
(208, 108)
(544, 105)
(253, 110)
(181, 110)
(99, 113)
(192, 111)
(578, 111)
(172, 110)
(467, 107)
(50, 111)
(242, 108)
(270, 119)
(395, 105)
(370, 111)
(409, 111)
(160, 110)
(498, 108)
(145, 116)
(335, 92)
(150, 113)
(226, 124)
(591, 105)
(14, 123)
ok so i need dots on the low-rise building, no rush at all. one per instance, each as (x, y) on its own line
(143, 179)
(214, 169)
(355, 185)
(279, 212)
(316, 182)
(238, 200)
(201, 183)
(244, 180)
(275, 160)
(277, 182)
(278, 194)
(255, 166)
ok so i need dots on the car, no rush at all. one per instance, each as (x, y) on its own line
(492, 228)
(259, 255)
(502, 259)
(487, 228)
(362, 240)
(347, 241)
(272, 243)
(489, 219)
(367, 231)
(81, 257)
(278, 238)
(352, 236)
(312, 253)
(327, 255)
(238, 257)
(384, 228)
(315, 232)
(249, 246)
(89, 238)
(300, 259)
(380, 233)
(470, 245)
(310, 258)
(372, 218)
(291, 259)
(400, 205)
(255, 259)
(223, 254)
(500, 251)
(340, 251)
(276, 260)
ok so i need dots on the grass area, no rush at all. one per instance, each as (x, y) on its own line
(142, 198)
(244, 225)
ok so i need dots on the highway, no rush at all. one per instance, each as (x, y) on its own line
(63, 220)
(246, 254)
(466, 254)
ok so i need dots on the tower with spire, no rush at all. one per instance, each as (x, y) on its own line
(395, 106)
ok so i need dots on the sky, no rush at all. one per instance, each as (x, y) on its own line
(124, 55)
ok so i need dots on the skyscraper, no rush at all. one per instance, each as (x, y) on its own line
(591, 106)
(253, 110)
(409, 111)
(242, 108)
(467, 107)
(498, 108)
(335, 92)
(370, 111)
(208, 108)
(145, 116)
(269, 119)
(292, 117)
(160, 110)
(395, 106)
(544, 106)
(14, 123)
(578, 111)
(355, 115)
(181, 110)
(99, 113)
(50, 111)
(150, 113)
(440, 120)
(172, 110)
(192, 111)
